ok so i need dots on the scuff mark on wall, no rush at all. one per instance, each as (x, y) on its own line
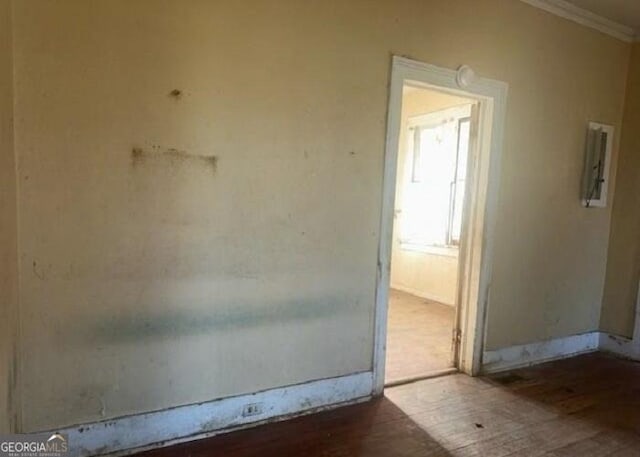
(36, 271)
(103, 407)
(173, 155)
(176, 94)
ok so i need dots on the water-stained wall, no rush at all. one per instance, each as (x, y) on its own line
(200, 187)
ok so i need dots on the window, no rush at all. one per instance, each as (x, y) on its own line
(432, 196)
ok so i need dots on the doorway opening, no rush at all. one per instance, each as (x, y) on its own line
(433, 150)
(441, 172)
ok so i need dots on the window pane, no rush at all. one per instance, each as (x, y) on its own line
(426, 200)
(459, 186)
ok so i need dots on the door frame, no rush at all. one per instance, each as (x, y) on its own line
(476, 250)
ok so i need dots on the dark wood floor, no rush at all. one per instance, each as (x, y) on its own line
(585, 406)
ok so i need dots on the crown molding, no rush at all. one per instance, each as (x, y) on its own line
(584, 17)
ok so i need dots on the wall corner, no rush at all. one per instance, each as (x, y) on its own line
(9, 318)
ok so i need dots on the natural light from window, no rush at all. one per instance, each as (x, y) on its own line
(434, 178)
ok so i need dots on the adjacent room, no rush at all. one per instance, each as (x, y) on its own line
(355, 228)
(435, 138)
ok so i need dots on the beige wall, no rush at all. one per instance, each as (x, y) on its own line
(431, 276)
(623, 267)
(8, 229)
(428, 275)
(151, 278)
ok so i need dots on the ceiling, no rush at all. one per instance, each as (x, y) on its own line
(625, 12)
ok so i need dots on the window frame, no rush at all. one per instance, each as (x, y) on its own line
(415, 124)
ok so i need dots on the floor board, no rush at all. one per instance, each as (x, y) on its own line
(419, 335)
(585, 406)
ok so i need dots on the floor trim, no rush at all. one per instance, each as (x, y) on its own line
(530, 354)
(130, 434)
(619, 345)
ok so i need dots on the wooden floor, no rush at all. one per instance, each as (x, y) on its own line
(588, 406)
(418, 336)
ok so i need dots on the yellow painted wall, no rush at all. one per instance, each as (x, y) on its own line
(152, 277)
(427, 275)
(8, 229)
(623, 267)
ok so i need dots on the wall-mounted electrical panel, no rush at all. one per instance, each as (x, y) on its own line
(595, 182)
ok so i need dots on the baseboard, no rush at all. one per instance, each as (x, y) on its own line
(422, 294)
(545, 351)
(125, 435)
(619, 345)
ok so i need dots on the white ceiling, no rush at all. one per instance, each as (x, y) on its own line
(625, 12)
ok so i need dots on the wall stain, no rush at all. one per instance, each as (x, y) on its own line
(179, 322)
(39, 274)
(307, 403)
(176, 93)
(174, 156)
(213, 424)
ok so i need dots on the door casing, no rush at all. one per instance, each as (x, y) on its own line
(476, 249)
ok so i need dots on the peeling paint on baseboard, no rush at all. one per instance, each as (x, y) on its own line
(185, 423)
(619, 345)
(544, 351)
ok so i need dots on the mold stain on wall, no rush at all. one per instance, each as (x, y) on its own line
(172, 156)
(182, 323)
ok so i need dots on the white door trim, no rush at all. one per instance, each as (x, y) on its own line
(492, 96)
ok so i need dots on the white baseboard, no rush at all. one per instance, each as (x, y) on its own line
(620, 345)
(530, 354)
(185, 423)
(626, 347)
(422, 294)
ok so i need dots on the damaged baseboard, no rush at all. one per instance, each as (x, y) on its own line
(619, 345)
(544, 351)
(560, 348)
(125, 435)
